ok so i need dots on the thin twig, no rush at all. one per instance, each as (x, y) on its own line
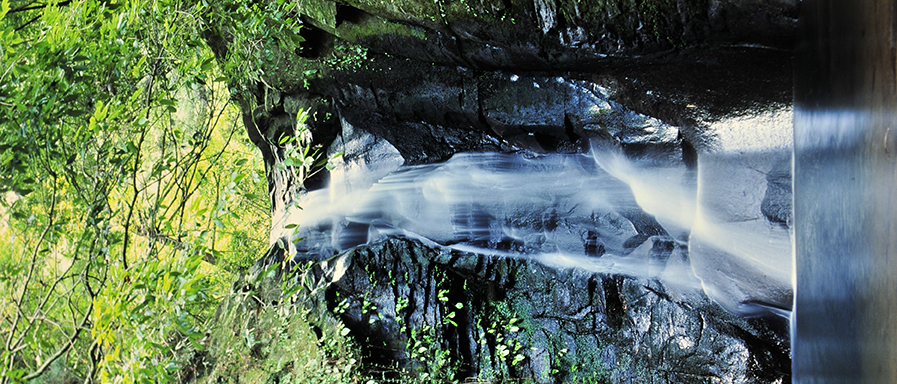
(136, 170)
(35, 18)
(59, 352)
(30, 7)
(21, 298)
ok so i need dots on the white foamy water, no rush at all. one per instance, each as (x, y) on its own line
(599, 212)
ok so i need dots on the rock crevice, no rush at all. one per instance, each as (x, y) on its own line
(415, 306)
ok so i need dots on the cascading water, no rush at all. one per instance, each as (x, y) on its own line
(599, 211)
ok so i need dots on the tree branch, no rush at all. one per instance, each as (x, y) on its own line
(30, 274)
(168, 240)
(33, 19)
(30, 7)
(127, 226)
(59, 352)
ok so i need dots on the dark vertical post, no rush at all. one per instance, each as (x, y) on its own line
(845, 193)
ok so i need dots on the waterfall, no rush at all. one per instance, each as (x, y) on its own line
(599, 211)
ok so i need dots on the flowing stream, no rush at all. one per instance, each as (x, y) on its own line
(598, 211)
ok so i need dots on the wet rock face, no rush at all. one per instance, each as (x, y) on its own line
(660, 81)
(541, 34)
(428, 310)
(650, 107)
(435, 78)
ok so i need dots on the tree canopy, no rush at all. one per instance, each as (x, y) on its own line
(130, 192)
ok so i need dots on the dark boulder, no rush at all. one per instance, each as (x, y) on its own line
(434, 77)
(437, 311)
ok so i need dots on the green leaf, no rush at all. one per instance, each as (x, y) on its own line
(207, 64)
(193, 263)
(122, 22)
(101, 110)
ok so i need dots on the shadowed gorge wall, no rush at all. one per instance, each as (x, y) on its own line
(627, 98)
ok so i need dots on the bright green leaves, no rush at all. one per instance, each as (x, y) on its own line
(109, 107)
(60, 85)
(152, 305)
(122, 22)
(262, 38)
(302, 158)
(117, 109)
(8, 39)
(99, 117)
(4, 8)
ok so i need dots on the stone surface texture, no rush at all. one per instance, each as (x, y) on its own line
(656, 79)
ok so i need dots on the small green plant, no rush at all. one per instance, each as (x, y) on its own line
(348, 57)
(434, 362)
(401, 305)
(507, 348)
(341, 305)
(301, 159)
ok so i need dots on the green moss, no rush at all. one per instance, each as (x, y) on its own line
(586, 365)
(378, 28)
(657, 16)
(322, 11)
(413, 11)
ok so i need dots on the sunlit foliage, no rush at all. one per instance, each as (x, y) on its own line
(129, 192)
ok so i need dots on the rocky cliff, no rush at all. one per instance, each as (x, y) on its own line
(663, 82)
